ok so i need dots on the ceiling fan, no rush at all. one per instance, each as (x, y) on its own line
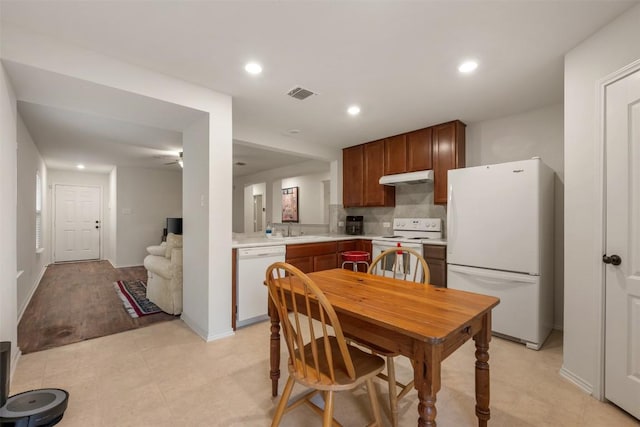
(176, 161)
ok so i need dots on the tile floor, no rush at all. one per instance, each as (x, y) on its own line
(165, 375)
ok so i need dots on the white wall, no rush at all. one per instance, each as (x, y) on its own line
(522, 136)
(112, 209)
(272, 198)
(608, 50)
(311, 203)
(8, 258)
(145, 199)
(207, 274)
(68, 177)
(32, 264)
(237, 224)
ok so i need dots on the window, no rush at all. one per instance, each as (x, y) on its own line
(38, 211)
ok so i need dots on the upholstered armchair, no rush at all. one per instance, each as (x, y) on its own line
(164, 269)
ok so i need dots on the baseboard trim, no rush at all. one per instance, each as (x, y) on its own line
(126, 266)
(191, 324)
(33, 291)
(226, 334)
(202, 333)
(575, 379)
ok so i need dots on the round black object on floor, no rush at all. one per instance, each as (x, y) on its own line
(36, 408)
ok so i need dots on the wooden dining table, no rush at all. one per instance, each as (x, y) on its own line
(422, 322)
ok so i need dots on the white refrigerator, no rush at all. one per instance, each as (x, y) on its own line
(500, 243)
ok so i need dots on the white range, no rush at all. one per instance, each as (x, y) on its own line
(409, 233)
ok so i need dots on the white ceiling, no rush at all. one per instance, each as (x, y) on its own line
(396, 59)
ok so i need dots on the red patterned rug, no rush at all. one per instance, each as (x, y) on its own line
(134, 297)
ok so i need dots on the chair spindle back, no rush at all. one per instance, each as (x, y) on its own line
(292, 291)
(404, 263)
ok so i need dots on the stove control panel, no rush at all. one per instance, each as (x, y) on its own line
(417, 224)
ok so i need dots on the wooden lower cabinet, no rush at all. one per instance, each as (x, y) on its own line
(305, 264)
(436, 257)
(347, 245)
(325, 262)
(353, 245)
(365, 245)
(310, 257)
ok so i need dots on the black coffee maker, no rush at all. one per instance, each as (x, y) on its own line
(354, 225)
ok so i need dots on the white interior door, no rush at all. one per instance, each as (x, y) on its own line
(622, 307)
(77, 223)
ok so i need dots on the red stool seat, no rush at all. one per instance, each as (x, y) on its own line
(355, 258)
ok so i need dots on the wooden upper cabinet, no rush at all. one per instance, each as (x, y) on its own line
(374, 193)
(418, 145)
(408, 152)
(353, 176)
(448, 153)
(439, 147)
(395, 154)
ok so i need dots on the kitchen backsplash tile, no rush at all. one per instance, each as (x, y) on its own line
(300, 229)
(412, 201)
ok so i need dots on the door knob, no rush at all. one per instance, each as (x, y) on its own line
(613, 259)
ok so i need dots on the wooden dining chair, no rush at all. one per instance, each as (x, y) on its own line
(402, 263)
(318, 360)
(406, 264)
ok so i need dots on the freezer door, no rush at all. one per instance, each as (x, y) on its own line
(494, 217)
(518, 314)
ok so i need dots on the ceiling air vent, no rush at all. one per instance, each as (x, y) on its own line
(300, 93)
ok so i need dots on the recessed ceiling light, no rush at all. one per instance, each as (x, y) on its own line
(253, 68)
(80, 166)
(354, 110)
(468, 66)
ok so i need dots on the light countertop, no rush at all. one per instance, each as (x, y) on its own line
(259, 241)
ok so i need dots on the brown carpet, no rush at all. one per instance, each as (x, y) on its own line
(76, 302)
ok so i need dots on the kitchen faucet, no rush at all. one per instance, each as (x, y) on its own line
(288, 231)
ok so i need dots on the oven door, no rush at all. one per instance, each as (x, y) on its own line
(379, 246)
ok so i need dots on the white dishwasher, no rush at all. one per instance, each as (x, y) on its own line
(252, 293)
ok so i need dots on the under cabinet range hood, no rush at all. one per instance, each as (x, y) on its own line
(407, 178)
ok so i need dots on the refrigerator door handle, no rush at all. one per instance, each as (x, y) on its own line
(494, 275)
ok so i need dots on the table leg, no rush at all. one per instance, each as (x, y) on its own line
(274, 348)
(426, 375)
(482, 339)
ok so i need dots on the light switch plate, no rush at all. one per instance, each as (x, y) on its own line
(386, 224)
(340, 223)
